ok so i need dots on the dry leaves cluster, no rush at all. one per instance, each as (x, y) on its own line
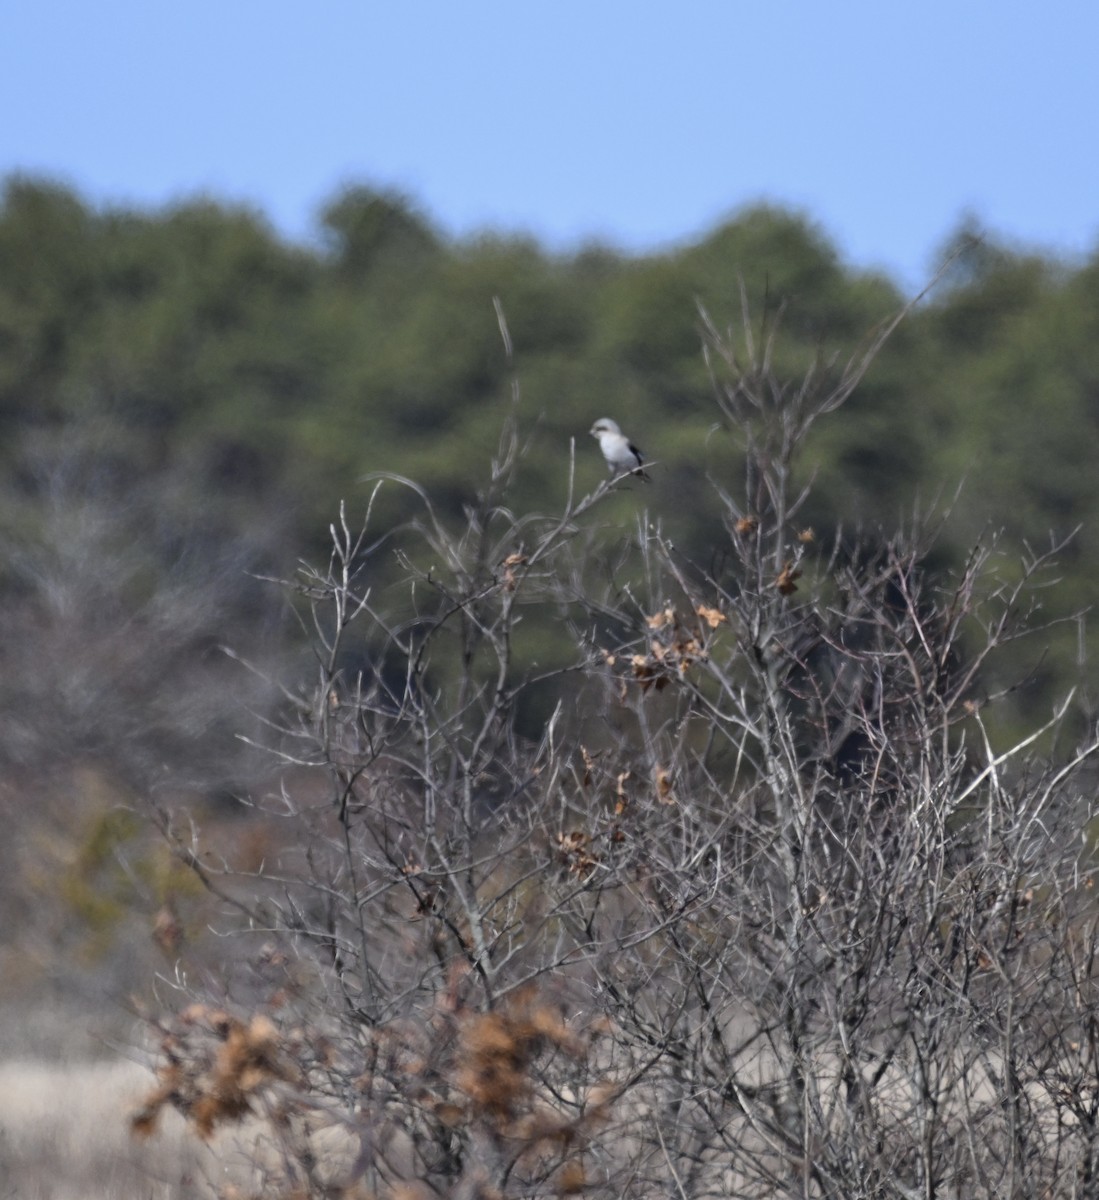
(484, 1073)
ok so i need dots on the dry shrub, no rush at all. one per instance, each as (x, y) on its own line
(217, 1069)
(478, 1074)
(760, 902)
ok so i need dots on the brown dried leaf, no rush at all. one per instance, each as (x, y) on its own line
(509, 564)
(644, 672)
(786, 580)
(451, 1116)
(548, 1023)
(575, 850)
(661, 619)
(571, 1179)
(712, 616)
(492, 1062)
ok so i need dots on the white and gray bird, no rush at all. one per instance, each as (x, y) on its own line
(621, 454)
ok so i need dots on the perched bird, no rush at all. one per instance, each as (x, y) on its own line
(621, 454)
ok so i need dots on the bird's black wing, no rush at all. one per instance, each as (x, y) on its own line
(639, 469)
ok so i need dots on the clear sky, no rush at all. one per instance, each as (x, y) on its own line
(641, 123)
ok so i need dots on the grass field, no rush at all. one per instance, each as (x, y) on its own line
(64, 1135)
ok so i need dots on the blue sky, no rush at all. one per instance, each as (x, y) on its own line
(638, 123)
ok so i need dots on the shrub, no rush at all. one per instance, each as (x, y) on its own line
(745, 894)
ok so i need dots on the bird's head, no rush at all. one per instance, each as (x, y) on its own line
(604, 425)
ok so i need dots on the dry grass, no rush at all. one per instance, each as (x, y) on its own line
(65, 1135)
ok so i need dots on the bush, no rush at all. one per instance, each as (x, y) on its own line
(743, 897)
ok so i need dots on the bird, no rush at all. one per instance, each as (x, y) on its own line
(621, 454)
